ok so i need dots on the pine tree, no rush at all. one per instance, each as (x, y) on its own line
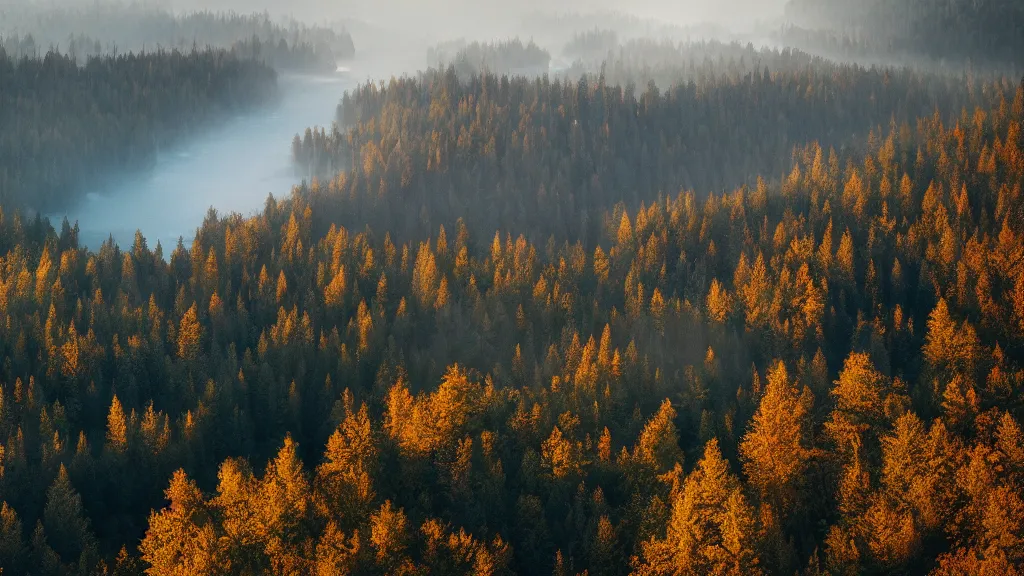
(189, 334)
(42, 556)
(65, 522)
(775, 450)
(657, 450)
(117, 428)
(719, 302)
(561, 456)
(182, 538)
(711, 530)
(283, 497)
(389, 538)
(343, 482)
(12, 548)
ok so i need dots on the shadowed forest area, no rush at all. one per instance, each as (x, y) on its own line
(984, 32)
(682, 307)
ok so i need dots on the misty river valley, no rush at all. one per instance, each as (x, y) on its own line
(231, 168)
(489, 288)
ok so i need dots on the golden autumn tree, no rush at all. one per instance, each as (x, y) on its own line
(237, 510)
(865, 400)
(389, 539)
(343, 482)
(334, 293)
(657, 449)
(624, 235)
(189, 335)
(561, 456)
(336, 552)
(283, 506)
(425, 276)
(719, 302)
(182, 539)
(711, 528)
(775, 450)
(950, 349)
(117, 427)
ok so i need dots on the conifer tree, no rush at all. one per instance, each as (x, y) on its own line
(189, 334)
(711, 529)
(775, 450)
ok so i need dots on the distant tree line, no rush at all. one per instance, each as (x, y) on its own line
(104, 29)
(559, 29)
(596, 43)
(66, 125)
(983, 32)
(431, 148)
(506, 57)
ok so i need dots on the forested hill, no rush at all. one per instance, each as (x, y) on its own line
(545, 157)
(66, 125)
(983, 32)
(105, 29)
(591, 44)
(509, 57)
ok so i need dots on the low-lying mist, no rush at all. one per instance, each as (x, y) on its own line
(232, 168)
(450, 18)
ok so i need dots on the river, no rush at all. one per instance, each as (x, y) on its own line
(232, 168)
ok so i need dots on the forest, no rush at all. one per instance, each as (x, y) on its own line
(103, 30)
(66, 126)
(508, 57)
(698, 308)
(734, 114)
(983, 32)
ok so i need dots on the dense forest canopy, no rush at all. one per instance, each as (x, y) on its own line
(435, 148)
(341, 401)
(695, 308)
(66, 126)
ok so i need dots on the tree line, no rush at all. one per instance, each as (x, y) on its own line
(983, 32)
(109, 29)
(506, 57)
(596, 43)
(66, 126)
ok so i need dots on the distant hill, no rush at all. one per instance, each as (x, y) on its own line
(104, 29)
(979, 31)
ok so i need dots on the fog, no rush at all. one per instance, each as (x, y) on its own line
(459, 17)
(382, 24)
(232, 168)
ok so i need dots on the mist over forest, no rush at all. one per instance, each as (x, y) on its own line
(483, 287)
